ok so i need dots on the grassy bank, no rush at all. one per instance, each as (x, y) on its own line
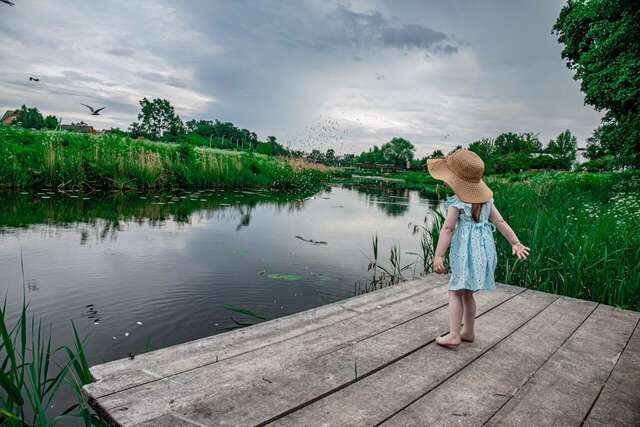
(30, 158)
(583, 230)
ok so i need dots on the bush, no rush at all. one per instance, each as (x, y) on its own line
(601, 164)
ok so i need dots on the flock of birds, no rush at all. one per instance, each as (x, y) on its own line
(317, 135)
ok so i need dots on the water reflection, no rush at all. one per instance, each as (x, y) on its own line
(141, 271)
(103, 215)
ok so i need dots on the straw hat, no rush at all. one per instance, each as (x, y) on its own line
(463, 171)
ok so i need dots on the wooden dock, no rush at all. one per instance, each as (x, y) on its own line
(538, 359)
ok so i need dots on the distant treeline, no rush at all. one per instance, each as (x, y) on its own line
(158, 121)
(508, 152)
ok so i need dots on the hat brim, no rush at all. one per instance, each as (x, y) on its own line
(470, 192)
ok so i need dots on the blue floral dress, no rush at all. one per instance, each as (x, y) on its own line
(472, 255)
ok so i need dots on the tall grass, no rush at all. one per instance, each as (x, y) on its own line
(33, 373)
(583, 230)
(62, 159)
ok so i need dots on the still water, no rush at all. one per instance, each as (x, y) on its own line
(137, 272)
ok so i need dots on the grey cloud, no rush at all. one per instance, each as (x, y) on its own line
(373, 29)
(74, 75)
(413, 36)
(121, 51)
(285, 65)
(160, 78)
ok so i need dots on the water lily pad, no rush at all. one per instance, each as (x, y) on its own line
(284, 276)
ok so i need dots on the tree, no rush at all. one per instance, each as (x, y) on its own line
(158, 120)
(435, 154)
(456, 148)
(29, 118)
(484, 148)
(51, 122)
(510, 142)
(330, 157)
(601, 41)
(316, 156)
(563, 149)
(398, 151)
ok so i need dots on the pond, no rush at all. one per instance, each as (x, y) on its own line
(136, 272)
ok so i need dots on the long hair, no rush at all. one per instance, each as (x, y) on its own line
(475, 211)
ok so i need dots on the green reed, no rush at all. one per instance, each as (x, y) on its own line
(62, 159)
(583, 230)
(33, 373)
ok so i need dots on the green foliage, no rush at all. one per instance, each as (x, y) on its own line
(158, 120)
(484, 148)
(512, 152)
(601, 41)
(51, 122)
(31, 158)
(225, 135)
(398, 151)
(510, 143)
(564, 148)
(330, 157)
(573, 223)
(600, 164)
(29, 118)
(32, 376)
(435, 154)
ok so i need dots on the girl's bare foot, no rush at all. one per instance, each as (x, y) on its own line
(448, 341)
(467, 336)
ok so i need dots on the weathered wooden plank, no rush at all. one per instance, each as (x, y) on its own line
(124, 373)
(475, 393)
(619, 401)
(378, 396)
(268, 396)
(564, 388)
(282, 353)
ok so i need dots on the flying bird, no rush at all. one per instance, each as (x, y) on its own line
(31, 79)
(10, 3)
(94, 112)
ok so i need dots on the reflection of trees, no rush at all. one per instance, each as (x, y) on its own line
(101, 217)
(392, 201)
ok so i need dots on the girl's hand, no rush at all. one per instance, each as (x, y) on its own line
(520, 251)
(438, 264)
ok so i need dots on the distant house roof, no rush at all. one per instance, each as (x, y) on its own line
(9, 116)
(79, 127)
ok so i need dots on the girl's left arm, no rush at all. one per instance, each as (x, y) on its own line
(445, 238)
(517, 248)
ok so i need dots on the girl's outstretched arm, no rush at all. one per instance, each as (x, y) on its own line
(517, 248)
(445, 238)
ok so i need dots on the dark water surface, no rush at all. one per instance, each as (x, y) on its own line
(139, 272)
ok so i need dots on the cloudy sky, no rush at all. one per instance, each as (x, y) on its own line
(329, 74)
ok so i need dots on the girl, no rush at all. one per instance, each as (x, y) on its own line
(467, 228)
